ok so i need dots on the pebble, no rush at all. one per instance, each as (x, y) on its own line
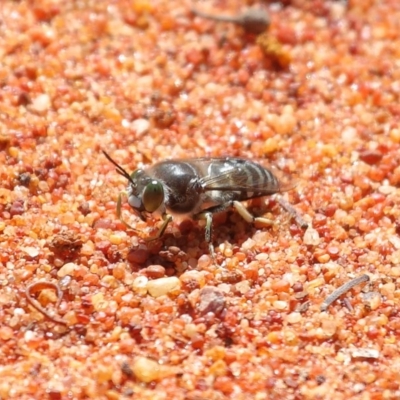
(140, 126)
(138, 256)
(98, 301)
(41, 103)
(387, 189)
(349, 134)
(87, 248)
(371, 157)
(395, 271)
(67, 269)
(139, 285)
(388, 289)
(372, 299)
(248, 244)
(280, 286)
(147, 370)
(115, 239)
(294, 318)
(163, 286)
(31, 251)
(65, 282)
(154, 271)
(204, 261)
(6, 333)
(243, 287)
(311, 237)
(211, 300)
(280, 305)
(365, 353)
(395, 240)
(329, 327)
(193, 279)
(17, 207)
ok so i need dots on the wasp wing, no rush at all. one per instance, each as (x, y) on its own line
(238, 179)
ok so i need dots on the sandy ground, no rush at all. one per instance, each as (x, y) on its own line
(90, 310)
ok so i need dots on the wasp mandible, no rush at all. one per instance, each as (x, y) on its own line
(198, 188)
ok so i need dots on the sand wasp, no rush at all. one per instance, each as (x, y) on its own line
(198, 188)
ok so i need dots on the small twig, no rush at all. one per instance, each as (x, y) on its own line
(253, 20)
(303, 307)
(39, 286)
(343, 289)
(293, 212)
(347, 304)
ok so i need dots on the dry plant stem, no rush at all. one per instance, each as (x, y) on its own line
(292, 211)
(343, 289)
(253, 20)
(347, 304)
(38, 286)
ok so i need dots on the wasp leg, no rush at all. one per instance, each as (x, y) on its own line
(119, 212)
(167, 219)
(293, 213)
(208, 217)
(241, 209)
(248, 217)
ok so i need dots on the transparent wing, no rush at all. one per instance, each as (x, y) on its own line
(237, 179)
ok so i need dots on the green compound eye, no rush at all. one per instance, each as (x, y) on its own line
(153, 196)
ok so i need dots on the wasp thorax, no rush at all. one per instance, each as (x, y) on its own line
(153, 196)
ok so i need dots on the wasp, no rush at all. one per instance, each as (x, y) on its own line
(198, 188)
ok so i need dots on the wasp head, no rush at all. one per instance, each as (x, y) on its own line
(145, 194)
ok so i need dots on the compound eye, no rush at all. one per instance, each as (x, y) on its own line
(153, 196)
